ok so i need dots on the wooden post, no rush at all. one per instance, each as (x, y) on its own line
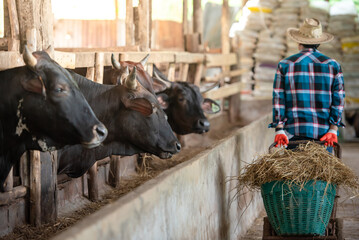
(129, 24)
(33, 14)
(90, 73)
(136, 21)
(35, 188)
(25, 170)
(99, 63)
(144, 24)
(93, 183)
(171, 72)
(114, 174)
(198, 19)
(184, 72)
(225, 27)
(31, 39)
(14, 41)
(48, 186)
(185, 19)
(9, 182)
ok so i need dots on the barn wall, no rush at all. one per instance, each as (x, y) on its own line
(190, 201)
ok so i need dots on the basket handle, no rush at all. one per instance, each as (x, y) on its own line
(337, 147)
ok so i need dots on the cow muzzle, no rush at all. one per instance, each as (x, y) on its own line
(100, 134)
(202, 125)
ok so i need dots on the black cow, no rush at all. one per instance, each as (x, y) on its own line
(41, 109)
(182, 101)
(134, 119)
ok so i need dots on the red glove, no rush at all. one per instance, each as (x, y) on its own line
(330, 138)
(281, 139)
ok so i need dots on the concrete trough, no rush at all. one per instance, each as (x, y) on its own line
(193, 200)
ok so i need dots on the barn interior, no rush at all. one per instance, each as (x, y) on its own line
(230, 49)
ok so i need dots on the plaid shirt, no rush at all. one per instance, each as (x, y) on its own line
(308, 94)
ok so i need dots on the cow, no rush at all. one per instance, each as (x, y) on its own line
(42, 109)
(134, 119)
(182, 101)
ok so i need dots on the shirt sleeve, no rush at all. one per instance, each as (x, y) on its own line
(338, 95)
(278, 101)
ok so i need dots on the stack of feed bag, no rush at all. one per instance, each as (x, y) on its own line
(256, 16)
(350, 65)
(343, 19)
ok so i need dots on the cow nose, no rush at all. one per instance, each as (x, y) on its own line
(100, 131)
(203, 123)
(178, 146)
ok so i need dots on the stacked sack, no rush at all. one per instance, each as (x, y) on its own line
(350, 65)
(257, 15)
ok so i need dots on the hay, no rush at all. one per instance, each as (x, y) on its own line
(310, 161)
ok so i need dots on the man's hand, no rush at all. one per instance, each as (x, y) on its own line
(281, 139)
(330, 138)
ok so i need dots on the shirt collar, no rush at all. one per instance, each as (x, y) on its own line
(309, 50)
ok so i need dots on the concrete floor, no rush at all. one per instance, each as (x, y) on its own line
(348, 210)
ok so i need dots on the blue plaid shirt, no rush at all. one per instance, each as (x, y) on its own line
(308, 94)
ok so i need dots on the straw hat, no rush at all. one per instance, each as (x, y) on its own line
(310, 33)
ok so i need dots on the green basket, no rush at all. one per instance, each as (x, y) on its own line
(294, 212)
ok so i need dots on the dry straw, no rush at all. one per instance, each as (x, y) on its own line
(310, 162)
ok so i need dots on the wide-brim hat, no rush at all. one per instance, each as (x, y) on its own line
(310, 32)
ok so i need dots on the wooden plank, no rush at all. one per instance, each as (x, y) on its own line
(171, 72)
(155, 57)
(10, 60)
(84, 59)
(218, 60)
(48, 187)
(184, 72)
(90, 73)
(225, 91)
(9, 181)
(93, 183)
(134, 48)
(144, 24)
(99, 59)
(114, 174)
(198, 74)
(198, 18)
(184, 57)
(8, 197)
(14, 26)
(225, 28)
(35, 188)
(130, 34)
(65, 59)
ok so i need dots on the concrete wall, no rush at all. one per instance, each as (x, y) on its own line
(194, 200)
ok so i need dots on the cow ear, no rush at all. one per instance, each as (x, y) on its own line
(141, 105)
(34, 85)
(210, 106)
(163, 99)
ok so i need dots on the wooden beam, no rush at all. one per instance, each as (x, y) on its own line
(35, 188)
(93, 183)
(114, 174)
(85, 59)
(225, 28)
(184, 57)
(155, 57)
(219, 60)
(198, 18)
(144, 24)
(8, 197)
(99, 59)
(14, 41)
(130, 34)
(65, 59)
(225, 91)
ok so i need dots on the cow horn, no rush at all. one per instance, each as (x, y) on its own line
(144, 60)
(207, 89)
(116, 64)
(29, 59)
(131, 82)
(127, 71)
(167, 83)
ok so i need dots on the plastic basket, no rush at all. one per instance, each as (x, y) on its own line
(294, 212)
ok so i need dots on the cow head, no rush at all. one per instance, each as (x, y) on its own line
(62, 113)
(184, 105)
(142, 123)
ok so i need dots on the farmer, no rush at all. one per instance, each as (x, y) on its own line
(308, 90)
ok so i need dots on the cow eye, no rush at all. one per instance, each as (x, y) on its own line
(181, 99)
(59, 90)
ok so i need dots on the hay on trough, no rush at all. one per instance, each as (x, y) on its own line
(309, 161)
